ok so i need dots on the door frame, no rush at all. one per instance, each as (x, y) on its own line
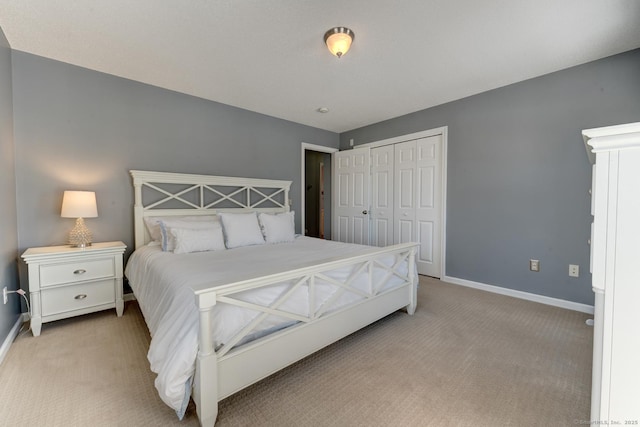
(423, 134)
(311, 147)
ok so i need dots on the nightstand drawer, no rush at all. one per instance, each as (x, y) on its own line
(76, 271)
(76, 297)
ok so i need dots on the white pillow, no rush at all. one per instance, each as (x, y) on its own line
(278, 228)
(168, 241)
(241, 230)
(153, 222)
(197, 240)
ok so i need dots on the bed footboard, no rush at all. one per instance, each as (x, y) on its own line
(222, 372)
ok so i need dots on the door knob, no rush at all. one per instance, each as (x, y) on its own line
(364, 212)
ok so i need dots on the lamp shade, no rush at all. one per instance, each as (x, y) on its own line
(339, 40)
(79, 204)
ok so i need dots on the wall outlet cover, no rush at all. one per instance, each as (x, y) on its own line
(574, 270)
(534, 265)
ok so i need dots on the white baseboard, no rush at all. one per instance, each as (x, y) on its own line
(13, 333)
(556, 302)
(129, 297)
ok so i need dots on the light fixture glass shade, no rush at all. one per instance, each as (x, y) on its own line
(338, 40)
(79, 204)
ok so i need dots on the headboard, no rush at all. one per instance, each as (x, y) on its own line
(172, 194)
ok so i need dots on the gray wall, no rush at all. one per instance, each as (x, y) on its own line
(81, 129)
(518, 176)
(8, 223)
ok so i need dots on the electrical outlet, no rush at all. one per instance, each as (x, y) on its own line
(574, 270)
(534, 265)
(5, 298)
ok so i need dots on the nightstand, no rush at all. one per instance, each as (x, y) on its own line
(66, 281)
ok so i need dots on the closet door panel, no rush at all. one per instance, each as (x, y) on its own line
(342, 226)
(382, 208)
(426, 187)
(425, 236)
(351, 175)
(406, 189)
(382, 229)
(405, 192)
(406, 231)
(343, 190)
(426, 203)
(360, 230)
(382, 166)
(429, 203)
(359, 189)
(382, 196)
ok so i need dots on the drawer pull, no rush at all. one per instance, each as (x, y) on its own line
(81, 296)
(80, 271)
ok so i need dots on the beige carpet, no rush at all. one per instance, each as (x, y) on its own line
(466, 358)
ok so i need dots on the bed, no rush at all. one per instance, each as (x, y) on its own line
(222, 319)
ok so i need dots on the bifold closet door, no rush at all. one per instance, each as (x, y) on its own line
(382, 166)
(351, 208)
(404, 213)
(418, 199)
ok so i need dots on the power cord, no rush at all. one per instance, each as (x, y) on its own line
(26, 301)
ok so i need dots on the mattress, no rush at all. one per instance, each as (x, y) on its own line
(164, 284)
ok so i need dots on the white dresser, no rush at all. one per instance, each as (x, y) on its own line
(66, 281)
(615, 260)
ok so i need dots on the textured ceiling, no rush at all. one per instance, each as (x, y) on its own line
(269, 56)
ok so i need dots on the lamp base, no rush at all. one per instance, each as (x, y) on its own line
(80, 236)
(80, 245)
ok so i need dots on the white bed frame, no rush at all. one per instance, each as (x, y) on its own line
(222, 372)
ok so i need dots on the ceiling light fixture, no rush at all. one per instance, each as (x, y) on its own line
(338, 40)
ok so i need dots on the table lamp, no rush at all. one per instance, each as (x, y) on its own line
(79, 205)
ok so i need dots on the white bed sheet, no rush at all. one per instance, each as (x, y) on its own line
(164, 285)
